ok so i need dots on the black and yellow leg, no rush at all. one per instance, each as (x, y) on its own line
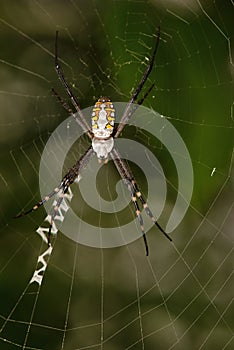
(126, 174)
(139, 216)
(41, 202)
(147, 209)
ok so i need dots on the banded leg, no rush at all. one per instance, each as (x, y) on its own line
(138, 213)
(147, 209)
(41, 202)
(85, 127)
(139, 195)
(128, 113)
(70, 111)
(127, 176)
(120, 166)
(132, 110)
(64, 185)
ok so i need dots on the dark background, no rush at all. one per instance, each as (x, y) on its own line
(180, 297)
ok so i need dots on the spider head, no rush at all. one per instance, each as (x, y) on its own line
(102, 147)
(104, 99)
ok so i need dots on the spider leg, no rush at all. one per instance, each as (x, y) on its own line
(70, 111)
(121, 167)
(147, 209)
(41, 202)
(144, 203)
(73, 98)
(144, 97)
(127, 175)
(148, 69)
(138, 213)
(64, 185)
(128, 113)
(134, 107)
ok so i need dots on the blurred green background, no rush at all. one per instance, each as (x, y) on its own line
(181, 296)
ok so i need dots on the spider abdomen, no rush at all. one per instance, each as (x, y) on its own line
(103, 118)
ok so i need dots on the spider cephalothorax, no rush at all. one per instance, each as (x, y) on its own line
(102, 136)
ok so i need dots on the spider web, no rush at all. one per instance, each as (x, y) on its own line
(180, 297)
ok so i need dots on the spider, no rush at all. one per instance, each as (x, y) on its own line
(102, 136)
